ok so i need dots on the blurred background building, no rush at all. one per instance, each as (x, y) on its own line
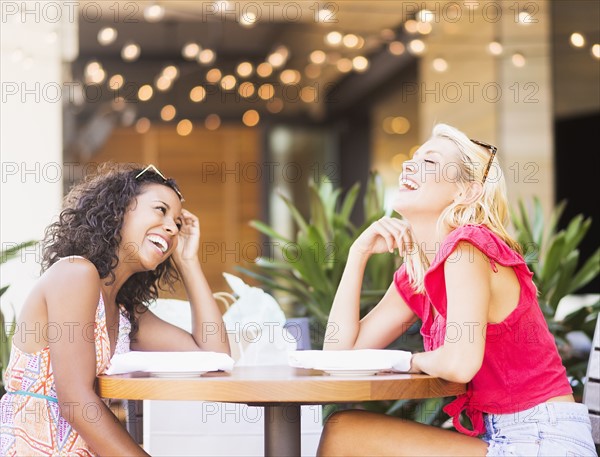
(243, 100)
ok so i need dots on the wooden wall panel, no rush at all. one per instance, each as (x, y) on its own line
(209, 169)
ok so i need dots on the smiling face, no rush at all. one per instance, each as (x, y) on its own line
(429, 181)
(150, 227)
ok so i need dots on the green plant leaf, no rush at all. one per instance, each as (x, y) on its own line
(587, 273)
(575, 232)
(553, 257)
(265, 229)
(555, 216)
(302, 224)
(565, 276)
(525, 225)
(318, 214)
(537, 224)
(349, 202)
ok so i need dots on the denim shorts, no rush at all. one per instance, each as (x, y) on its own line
(548, 429)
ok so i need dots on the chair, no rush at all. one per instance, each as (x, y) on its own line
(591, 391)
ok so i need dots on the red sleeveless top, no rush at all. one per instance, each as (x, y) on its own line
(521, 365)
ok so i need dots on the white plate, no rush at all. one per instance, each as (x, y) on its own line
(177, 374)
(344, 372)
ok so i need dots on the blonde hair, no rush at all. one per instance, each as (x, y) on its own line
(490, 209)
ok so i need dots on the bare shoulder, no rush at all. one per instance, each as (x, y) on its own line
(74, 275)
(466, 255)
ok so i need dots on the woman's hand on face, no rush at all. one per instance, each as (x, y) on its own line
(384, 235)
(188, 243)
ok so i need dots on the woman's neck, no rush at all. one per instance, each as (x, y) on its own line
(110, 291)
(427, 237)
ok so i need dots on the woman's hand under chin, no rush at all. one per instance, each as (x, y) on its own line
(188, 242)
(384, 235)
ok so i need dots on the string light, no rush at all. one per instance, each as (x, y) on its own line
(290, 77)
(344, 65)
(251, 118)
(410, 26)
(184, 127)
(360, 64)
(107, 35)
(396, 48)
(246, 89)
(154, 13)
(143, 125)
(145, 92)
(206, 56)
(167, 113)
(495, 48)
(264, 70)
(197, 94)
(518, 60)
(350, 40)
(333, 38)
(416, 47)
(317, 57)
(440, 65)
(266, 91)
(213, 76)
(130, 52)
(244, 69)
(248, 19)
(212, 122)
(228, 82)
(116, 82)
(577, 40)
(190, 51)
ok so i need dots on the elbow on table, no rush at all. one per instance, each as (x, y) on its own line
(460, 372)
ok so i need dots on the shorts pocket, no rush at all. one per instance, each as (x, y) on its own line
(520, 439)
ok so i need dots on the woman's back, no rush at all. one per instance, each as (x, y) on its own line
(30, 420)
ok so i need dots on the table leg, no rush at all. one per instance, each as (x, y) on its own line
(282, 430)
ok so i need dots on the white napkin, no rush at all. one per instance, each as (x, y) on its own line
(357, 359)
(169, 362)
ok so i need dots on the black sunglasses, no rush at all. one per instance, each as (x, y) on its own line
(493, 149)
(169, 182)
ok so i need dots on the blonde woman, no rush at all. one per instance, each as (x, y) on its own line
(464, 277)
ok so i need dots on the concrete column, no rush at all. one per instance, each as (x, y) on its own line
(36, 38)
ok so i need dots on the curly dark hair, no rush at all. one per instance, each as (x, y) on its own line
(90, 226)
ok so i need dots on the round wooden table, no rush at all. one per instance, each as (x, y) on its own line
(280, 390)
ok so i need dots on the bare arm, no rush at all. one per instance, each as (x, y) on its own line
(461, 356)
(390, 318)
(71, 291)
(208, 329)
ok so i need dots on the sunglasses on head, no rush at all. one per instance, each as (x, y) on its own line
(493, 149)
(168, 181)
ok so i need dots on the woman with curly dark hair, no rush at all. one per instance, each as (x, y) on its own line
(122, 235)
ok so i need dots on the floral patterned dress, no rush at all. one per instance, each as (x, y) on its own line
(30, 421)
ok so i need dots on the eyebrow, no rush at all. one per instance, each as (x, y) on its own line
(426, 152)
(164, 203)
